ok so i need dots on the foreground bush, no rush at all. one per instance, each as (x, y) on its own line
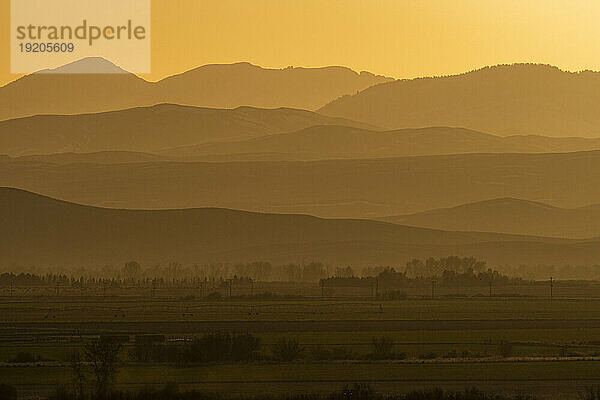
(382, 348)
(287, 350)
(25, 357)
(393, 295)
(223, 347)
(505, 349)
(322, 353)
(214, 347)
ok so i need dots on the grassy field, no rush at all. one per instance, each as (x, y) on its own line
(111, 309)
(545, 378)
(540, 289)
(447, 342)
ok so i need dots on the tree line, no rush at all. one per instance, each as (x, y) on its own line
(452, 270)
(447, 271)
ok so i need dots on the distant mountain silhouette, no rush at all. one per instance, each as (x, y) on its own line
(149, 129)
(329, 188)
(508, 215)
(40, 231)
(67, 91)
(89, 65)
(47, 93)
(504, 100)
(325, 142)
(232, 85)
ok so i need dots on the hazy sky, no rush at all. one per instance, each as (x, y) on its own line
(399, 38)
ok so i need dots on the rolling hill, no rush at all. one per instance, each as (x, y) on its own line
(47, 232)
(217, 86)
(233, 85)
(365, 188)
(509, 215)
(516, 99)
(149, 129)
(102, 157)
(327, 142)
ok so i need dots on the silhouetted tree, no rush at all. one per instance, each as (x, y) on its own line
(103, 355)
(78, 370)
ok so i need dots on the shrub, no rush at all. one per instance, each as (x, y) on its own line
(428, 356)
(360, 391)
(393, 295)
(244, 347)
(471, 354)
(214, 296)
(157, 352)
(71, 356)
(566, 352)
(382, 348)
(592, 393)
(287, 349)
(25, 357)
(322, 353)
(452, 354)
(505, 349)
(211, 347)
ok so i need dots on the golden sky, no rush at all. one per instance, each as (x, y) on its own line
(399, 38)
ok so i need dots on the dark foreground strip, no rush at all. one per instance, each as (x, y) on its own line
(191, 327)
(301, 381)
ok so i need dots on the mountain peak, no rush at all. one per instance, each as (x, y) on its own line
(88, 65)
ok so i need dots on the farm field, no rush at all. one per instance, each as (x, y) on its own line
(567, 289)
(444, 342)
(123, 310)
